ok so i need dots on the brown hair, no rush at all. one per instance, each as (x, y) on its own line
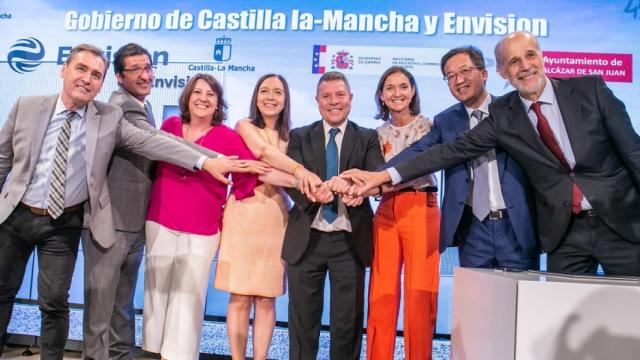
(283, 124)
(92, 49)
(414, 104)
(219, 115)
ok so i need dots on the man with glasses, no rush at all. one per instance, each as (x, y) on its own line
(486, 210)
(54, 156)
(575, 141)
(111, 272)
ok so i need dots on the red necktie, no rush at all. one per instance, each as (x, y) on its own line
(547, 137)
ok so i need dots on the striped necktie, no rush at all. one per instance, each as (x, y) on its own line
(59, 171)
(480, 191)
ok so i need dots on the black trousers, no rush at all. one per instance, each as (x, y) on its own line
(589, 242)
(56, 242)
(330, 253)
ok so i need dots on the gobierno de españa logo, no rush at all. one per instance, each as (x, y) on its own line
(25, 55)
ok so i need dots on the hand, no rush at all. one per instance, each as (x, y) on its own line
(366, 180)
(308, 182)
(257, 167)
(352, 201)
(322, 194)
(339, 185)
(220, 166)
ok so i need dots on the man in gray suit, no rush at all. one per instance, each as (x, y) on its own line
(54, 156)
(111, 273)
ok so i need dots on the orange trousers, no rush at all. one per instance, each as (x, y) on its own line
(406, 230)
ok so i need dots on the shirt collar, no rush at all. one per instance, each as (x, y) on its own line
(484, 107)
(327, 127)
(548, 96)
(142, 103)
(60, 108)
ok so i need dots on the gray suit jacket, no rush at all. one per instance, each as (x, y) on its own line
(21, 139)
(130, 175)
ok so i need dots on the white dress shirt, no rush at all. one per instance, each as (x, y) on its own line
(551, 110)
(342, 223)
(496, 200)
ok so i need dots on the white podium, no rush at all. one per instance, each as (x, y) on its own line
(501, 315)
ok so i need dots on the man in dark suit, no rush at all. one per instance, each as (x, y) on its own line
(575, 140)
(329, 237)
(489, 219)
(54, 155)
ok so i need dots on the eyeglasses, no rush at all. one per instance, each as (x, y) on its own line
(464, 72)
(138, 70)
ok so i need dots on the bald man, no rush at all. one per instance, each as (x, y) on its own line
(575, 140)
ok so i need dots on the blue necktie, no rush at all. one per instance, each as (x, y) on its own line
(330, 210)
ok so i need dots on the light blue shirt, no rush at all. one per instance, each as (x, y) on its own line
(551, 111)
(76, 191)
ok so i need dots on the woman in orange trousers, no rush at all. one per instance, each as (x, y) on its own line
(406, 230)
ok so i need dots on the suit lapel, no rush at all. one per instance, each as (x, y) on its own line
(461, 125)
(521, 124)
(91, 138)
(461, 120)
(318, 149)
(150, 117)
(348, 140)
(501, 158)
(571, 116)
(43, 118)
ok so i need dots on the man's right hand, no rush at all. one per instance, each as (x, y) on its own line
(322, 194)
(223, 165)
(366, 180)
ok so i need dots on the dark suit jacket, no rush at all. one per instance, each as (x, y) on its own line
(606, 148)
(360, 149)
(516, 189)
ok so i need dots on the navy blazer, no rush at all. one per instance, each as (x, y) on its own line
(605, 145)
(516, 189)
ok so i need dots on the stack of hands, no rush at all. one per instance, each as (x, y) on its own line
(352, 185)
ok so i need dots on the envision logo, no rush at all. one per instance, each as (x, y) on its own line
(25, 55)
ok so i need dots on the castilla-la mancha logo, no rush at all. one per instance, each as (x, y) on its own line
(25, 55)
(222, 49)
(342, 60)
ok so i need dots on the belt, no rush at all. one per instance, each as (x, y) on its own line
(586, 213)
(497, 214)
(429, 189)
(45, 212)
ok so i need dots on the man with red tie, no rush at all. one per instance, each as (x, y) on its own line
(575, 140)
